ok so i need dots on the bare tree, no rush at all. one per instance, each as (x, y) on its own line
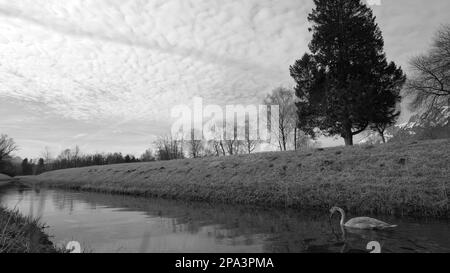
(285, 99)
(7, 146)
(169, 148)
(430, 81)
(66, 155)
(213, 147)
(76, 155)
(147, 156)
(217, 143)
(46, 155)
(233, 143)
(195, 146)
(250, 144)
(233, 146)
(209, 150)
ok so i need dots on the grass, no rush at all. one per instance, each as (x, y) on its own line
(20, 234)
(395, 179)
(4, 177)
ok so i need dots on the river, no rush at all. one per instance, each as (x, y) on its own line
(115, 223)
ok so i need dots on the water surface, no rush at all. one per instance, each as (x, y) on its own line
(111, 223)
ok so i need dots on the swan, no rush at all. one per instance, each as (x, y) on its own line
(360, 222)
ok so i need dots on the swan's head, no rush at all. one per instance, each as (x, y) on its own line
(334, 209)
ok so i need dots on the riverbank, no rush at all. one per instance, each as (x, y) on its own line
(4, 177)
(7, 180)
(20, 234)
(394, 179)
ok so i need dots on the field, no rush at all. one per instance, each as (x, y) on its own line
(396, 179)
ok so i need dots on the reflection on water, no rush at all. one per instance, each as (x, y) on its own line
(107, 223)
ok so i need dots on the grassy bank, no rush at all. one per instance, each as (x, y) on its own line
(401, 179)
(20, 234)
(4, 179)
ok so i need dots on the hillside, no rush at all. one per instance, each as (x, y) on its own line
(4, 179)
(402, 179)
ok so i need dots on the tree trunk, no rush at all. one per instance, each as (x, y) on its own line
(284, 141)
(348, 140)
(348, 136)
(295, 139)
(280, 143)
(223, 148)
(382, 136)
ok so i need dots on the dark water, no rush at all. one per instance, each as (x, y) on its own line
(106, 223)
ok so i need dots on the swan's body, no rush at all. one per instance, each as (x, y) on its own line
(361, 222)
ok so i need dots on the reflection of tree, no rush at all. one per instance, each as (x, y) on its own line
(63, 201)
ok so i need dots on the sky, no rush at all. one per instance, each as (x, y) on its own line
(105, 74)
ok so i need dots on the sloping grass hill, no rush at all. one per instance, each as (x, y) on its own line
(398, 178)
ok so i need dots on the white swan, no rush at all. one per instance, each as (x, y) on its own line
(360, 222)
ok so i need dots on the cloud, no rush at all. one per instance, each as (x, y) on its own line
(60, 26)
(96, 59)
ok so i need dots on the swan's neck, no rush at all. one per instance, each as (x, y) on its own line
(342, 212)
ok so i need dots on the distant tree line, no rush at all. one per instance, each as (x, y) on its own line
(68, 158)
(73, 158)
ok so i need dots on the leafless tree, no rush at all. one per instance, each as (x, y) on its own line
(147, 156)
(216, 144)
(430, 81)
(169, 148)
(209, 150)
(76, 155)
(7, 146)
(46, 155)
(251, 142)
(66, 155)
(195, 146)
(219, 148)
(250, 145)
(233, 146)
(285, 99)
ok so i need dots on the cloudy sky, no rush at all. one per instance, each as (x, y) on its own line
(104, 74)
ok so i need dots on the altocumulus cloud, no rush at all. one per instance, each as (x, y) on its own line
(93, 59)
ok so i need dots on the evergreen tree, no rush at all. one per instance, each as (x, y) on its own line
(27, 167)
(41, 166)
(127, 159)
(346, 85)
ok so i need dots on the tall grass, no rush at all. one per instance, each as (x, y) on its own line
(19, 234)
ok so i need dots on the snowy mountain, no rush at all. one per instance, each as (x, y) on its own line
(434, 125)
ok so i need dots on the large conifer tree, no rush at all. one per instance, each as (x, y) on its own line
(346, 84)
